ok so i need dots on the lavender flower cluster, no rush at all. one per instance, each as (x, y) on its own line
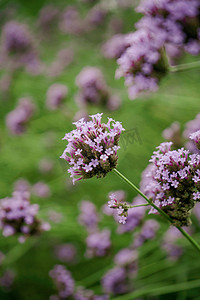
(117, 280)
(17, 215)
(18, 48)
(170, 25)
(143, 63)
(65, 285)
(93, 89)
(92, 147)
(55, 95)
(17, 119)
(174, 182)
(98, 242)
(177, 19)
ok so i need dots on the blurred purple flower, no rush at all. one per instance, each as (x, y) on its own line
(66, 252)
(17, 119)
(63, 281)
(41, 189)
(55, 95)
(98, 243)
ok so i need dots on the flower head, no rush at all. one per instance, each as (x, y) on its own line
(142, 64)
(92, 148)
(174, 182)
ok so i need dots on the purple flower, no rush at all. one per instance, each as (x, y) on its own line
(173, 134)
(179, 171)
(17, 119)
(18, 48)
(63, 59)
(147, 232)
(93, 138)
(142, 63)
(55, 95)
(17, 215)
(126, 257)
(63, 281)
(16, 38)
(115, 46)
(71, 22)
(41, 189)
(98, 243)
(114, 281)
(66, 252)
(176, 19)
(191, 127)
(48, 15)
(89, 216)
(171, 236)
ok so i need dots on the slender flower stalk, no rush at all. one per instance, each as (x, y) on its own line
(187, 236)
(185, 67)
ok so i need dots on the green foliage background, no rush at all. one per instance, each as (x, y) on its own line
(177, 99)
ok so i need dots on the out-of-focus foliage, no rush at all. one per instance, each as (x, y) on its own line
(20, 157)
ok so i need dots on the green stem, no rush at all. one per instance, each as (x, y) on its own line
(186, 235)
(184, 67)
(132, 206)
(161, 290)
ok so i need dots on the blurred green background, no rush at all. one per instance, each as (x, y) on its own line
(176, 100)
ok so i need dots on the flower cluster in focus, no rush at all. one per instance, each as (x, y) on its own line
(92, 147)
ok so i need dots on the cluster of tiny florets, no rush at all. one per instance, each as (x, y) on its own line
(94, 90)
(177, 19)
(18, 216)
(174, 182)
(121, 207)
(92, 147)
(142, 64)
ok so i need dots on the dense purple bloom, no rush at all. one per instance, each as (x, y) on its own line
(93, 89)
(17, 215)
(115, 46)
(47, 18)
(191, 127)
(41, 189)
(63, 281)
(89, 216)
(92, 147)
(173, 134)
(71, 22)
(98, 243)
(114, 281)
(195, 137)
(127, 258)
(178, 19)
(16, 38)
(22, 185)
(169, 244)
(147, 232)
(96, 16)
(17, 119)
(66, 252)
(174, 182)
(55, 95)
(18, 47)
(142, 64)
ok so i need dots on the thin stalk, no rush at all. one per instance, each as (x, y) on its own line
(132, 206)
(161, 290)
(184, 67)
(184, 233)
